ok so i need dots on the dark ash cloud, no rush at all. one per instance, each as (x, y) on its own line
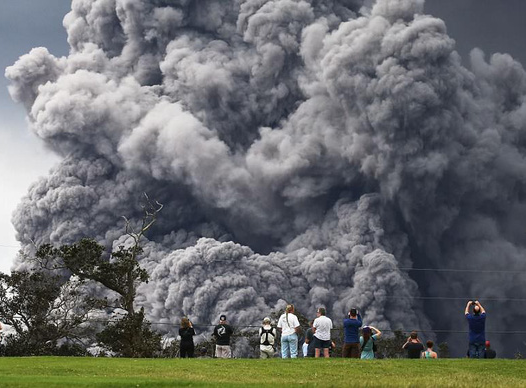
(305, 151)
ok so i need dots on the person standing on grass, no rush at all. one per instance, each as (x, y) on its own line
(322, 333)
(477, 329)
(267, 337)
(351, 339)
(309, 341)
(429, 353)
(413, 346)
(489, 353)
(186, 332)
(288, 323)
(222, 334)
(367, 340)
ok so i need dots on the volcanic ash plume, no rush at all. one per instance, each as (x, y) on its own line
(305, 151)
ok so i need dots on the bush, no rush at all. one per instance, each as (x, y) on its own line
(131, 336)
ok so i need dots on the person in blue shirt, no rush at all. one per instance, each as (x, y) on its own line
(351, 327)
(367, 342)
(477, 329)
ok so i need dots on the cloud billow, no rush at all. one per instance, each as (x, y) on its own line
(305, 151)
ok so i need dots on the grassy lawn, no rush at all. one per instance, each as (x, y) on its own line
(113, 372)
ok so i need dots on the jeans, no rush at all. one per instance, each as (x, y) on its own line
(476, 350)
(289, 346)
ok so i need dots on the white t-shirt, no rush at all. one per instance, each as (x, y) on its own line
(287, 327)
(323, 327)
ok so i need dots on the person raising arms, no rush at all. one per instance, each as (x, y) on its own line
(367, 341)
(477, 329)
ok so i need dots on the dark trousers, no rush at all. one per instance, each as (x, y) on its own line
(186, 350)
(476, 350)
(351, 350)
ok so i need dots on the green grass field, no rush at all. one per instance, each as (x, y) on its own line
(114, 372)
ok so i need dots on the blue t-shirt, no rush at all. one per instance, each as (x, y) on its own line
(350, 330)
(477, 324)
(367, 351)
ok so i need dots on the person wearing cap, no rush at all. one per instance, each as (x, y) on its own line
(477, 329)
(222, 334)
(351, 338)
(267, 337)
(203, 353)
(367, 341)
(489, 353)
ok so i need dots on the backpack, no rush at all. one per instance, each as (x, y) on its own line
(265, 333)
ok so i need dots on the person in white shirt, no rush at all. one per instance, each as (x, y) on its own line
(267, 335)
(288, 323)
(322, 333)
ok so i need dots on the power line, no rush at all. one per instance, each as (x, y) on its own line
(461, 270)
(455, 298)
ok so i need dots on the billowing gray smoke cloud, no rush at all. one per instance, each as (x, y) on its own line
(304, 150)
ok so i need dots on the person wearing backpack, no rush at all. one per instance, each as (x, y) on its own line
(367, 342)
(267, 337)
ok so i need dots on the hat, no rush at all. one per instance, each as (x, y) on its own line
(266, 319)
(366, 329)
(487, 344)
(222, 317)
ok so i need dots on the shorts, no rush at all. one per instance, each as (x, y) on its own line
(321, 344)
